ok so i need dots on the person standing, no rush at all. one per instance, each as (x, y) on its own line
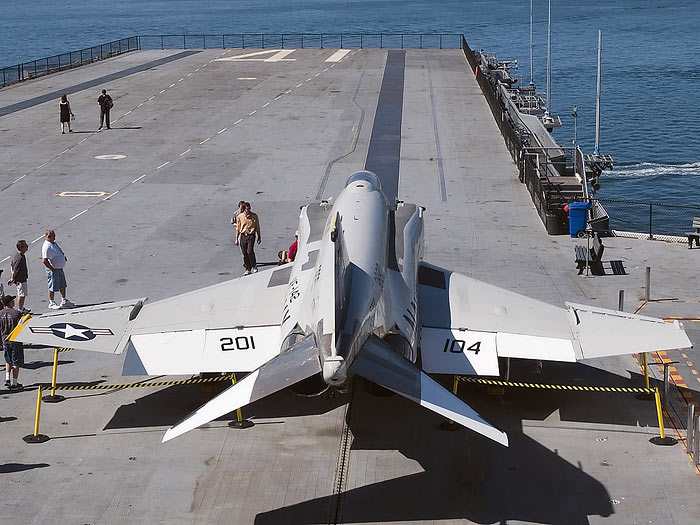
(247, 226)
(106, 104)
(14, 351)
(65, 114)
(20, 274)
(55, 260)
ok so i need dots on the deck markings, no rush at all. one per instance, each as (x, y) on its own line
(163, 165)
(19, 179)
(221, 131)
(5, 259)
(265, 104)
(81, 193)
(37, 239)
(161, 92)
(338, 55)
(205, 140)
(77, 215)
(252, 113)
(247, 78)
(238, 121)
(185, 152)
(277, 55)
(298, 85)
(138, 178)
(151, 97)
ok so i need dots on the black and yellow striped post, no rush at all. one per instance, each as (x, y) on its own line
(239, 422)
(661, 439)
(449, 424)
(53, 397)
(36, 437)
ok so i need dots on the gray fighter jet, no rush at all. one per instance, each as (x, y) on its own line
(357, 300)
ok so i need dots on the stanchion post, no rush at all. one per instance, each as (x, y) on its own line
(646, 396)
(667, 374)
(449, 424)
(53, 398)
(36, 437)
(689, 428)
(239, 422)
(696, 441)
(647, 283)
(662, 439)
(621, 301)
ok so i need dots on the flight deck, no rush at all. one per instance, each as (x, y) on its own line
(144, 209)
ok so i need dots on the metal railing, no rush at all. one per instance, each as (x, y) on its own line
(650, 218)
(44, 66)
(303, 40)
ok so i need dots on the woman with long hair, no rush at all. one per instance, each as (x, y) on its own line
(66, 113)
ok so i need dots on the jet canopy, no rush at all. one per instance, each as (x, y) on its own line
(367, 177)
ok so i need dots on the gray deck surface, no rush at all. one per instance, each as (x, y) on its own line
(207, 134)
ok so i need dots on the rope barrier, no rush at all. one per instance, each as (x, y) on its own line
(142, 385)
(544, 386)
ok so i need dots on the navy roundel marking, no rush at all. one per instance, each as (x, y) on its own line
(62, 330)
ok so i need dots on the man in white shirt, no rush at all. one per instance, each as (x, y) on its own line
(54, 259)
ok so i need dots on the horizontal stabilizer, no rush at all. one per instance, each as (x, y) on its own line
(378, 363)
(602, 332)
(294, 365)
(99, 328)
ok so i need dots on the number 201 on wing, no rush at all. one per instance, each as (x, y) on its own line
(242, 342)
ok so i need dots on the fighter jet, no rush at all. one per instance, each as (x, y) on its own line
(358, 300)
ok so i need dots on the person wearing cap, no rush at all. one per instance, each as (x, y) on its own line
(106, 104)
(20, 274)
(14, 351)
(54, 259)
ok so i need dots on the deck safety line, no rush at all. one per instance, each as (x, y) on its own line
(548, 386)
(68, 386)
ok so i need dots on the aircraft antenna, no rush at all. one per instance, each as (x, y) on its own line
(597, 104)
(549, 54)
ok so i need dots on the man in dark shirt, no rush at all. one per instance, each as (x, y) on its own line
(14, 352)
(20, 274)
(106, 103)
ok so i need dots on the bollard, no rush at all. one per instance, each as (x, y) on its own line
(667, 374)
(449, 424)
(662, 439)
(36, 437)
(239, 422)
(647, 283)
(53, 398)
(621, 300)
(689, 427)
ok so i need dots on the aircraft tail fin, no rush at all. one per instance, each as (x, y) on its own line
(290, 367)
(381, 365)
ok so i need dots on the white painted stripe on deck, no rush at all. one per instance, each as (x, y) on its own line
(78, 215)
(80, 142)
(6, 258)
(317, 74)
(221, 131)
(338, 55)
(151, 97)
(163, 165)
(138, 179)
(181, 80)
(325, 70)
(265, 104)
(298, 85)
(45, 163)
(140, 105)
(17, 180)
(247, 78)
(161, 92)
(108, 196)
(125, 114)
(289, 90)
(278, 96)
(65, 151)
(186, 152)
(205, 140)
(307, 79)
(252, 113)
(238, 121)
(189, 74)
(171, 85)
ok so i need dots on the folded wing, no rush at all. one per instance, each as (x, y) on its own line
(468, 324)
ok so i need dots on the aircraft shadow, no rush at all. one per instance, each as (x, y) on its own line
(466, 476)
(8, 468)
(168, 406)
(34, 365)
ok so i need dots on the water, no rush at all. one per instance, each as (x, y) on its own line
(651, 59)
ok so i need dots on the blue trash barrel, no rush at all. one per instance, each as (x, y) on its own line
(578, 212)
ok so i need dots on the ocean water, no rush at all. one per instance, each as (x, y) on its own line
(650, 115)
